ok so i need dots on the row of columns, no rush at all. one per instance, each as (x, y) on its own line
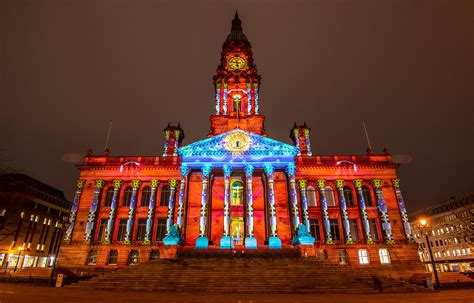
(381, 206)
(250, 241)
(91, 220)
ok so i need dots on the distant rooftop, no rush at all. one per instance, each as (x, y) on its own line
(445, 206)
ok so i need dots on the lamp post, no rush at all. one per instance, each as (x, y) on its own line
(423, 226)
(19, 257)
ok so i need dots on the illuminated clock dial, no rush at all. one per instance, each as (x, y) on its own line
(237, 143)
(236, 63)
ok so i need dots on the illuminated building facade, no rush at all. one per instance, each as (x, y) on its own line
(32, 215)
(238, 189)
(451, 234)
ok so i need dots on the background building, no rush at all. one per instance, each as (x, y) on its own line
(238, 189)
(451, 234)
(32, 215)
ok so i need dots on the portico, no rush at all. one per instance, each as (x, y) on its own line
(237, 156)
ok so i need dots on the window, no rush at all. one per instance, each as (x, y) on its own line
(92, 257)
(165, 195)
(374, 233)
(237, 194)
(133, 257)
(367, 196)
(141, 229)
(363, 256)
(354, 228)
(113, 256)
(311, 196)
(161, 229)
(334, 229)
(154, 254)
(102, 228)
(384, 256)
(348, 196)
(127, 196)
(146, 194)
(342, 257)
(109, 195)
(329, 194)
(314, 228)
(122, 228)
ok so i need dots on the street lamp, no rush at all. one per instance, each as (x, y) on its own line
(423, 226)
(19, 257)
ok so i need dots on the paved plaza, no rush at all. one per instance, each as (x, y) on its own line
(13, 293)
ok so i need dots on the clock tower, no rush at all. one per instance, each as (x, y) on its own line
(237, 85)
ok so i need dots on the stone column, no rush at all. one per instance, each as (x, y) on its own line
(308, 141)
(363, 211)
(167, 137)
(324, 210)
(291, 170)
(382, 207)
(113, 210)
(296, 135)
(173, 183)
(75, 206)
(226, 241)
(182, 191)
(131, 213)
(255, 86)
(218, 98)
(249, 100)
(224, 99)
(403, 211)
(302, 184)
(177, 133)
(99, 184)
(274, 241)
(250, 241)
(345, 218)
(151, 211)
(202, 241)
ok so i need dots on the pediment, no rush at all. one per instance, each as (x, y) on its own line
(236, 147)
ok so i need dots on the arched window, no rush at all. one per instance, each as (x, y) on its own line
(109, 194)
(127, 196)
(329, 194)
(146, 194)
(165, 195)
(237, 195)
(366, 195)
(311, 196)
(347, 191)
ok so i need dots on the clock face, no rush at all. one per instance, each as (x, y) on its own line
(236, 63)
(237, 143)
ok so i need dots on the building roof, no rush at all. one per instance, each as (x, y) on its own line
(25, 184)
(236, 33)
(446, 206)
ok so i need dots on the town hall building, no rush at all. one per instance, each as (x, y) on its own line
(238, 190)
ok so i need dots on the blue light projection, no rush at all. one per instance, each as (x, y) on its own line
(237, 148)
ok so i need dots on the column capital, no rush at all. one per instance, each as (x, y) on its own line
(80, 183)
(136, 184)
(302, 184)
(154, 183)
(321, 184)
(117, 184)
(184, 169)
(357, 183)
(396, 182)
(173, 183)
(227, 170)
(206, 170)
(291, 169)
(269, 169)
(376, 183)
(249, 170)
(99, 183)
(339, 184)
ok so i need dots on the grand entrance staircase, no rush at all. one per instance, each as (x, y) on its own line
(243, 273)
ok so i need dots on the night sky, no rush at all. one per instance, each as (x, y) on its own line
(405, 67)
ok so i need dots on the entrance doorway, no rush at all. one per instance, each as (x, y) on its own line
(237, 231)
